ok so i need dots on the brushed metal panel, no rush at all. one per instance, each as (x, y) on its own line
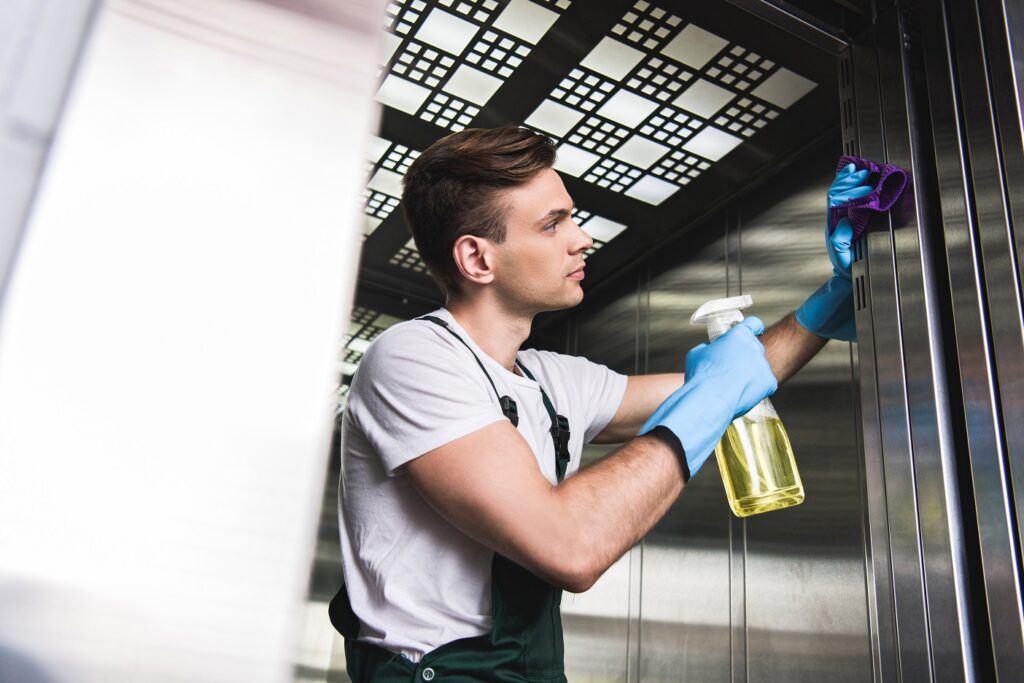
(990, 475)
(685, 629)
(858, 79)
(599, 641)
(896, 484)
(992, 122)
(805, 596)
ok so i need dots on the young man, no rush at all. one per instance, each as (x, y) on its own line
(464, 511)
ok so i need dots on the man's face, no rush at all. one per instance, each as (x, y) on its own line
(540, 263)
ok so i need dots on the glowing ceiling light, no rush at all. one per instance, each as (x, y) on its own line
(712, 143)
(783, 88)
(526, 20)
(612, 58)
(554, 118)
(694, 46)
(703, 98)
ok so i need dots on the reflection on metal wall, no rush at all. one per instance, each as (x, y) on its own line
(776, 597)
(932, 89)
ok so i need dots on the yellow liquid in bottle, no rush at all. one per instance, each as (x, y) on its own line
(758, 467)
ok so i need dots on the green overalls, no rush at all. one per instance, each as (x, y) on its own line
(525, 642)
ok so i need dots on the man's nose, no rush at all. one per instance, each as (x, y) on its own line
(583, 239)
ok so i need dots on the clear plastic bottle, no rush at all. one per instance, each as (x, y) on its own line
(755, 456)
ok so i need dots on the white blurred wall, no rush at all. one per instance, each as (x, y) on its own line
(169, 340)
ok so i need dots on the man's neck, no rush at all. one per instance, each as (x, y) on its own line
(496, 331)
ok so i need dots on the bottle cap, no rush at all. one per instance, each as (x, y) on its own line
(718, 307)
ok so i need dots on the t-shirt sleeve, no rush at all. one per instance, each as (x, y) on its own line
(414, 392)
(596, 389)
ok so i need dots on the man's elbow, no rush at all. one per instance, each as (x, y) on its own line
(575, 572)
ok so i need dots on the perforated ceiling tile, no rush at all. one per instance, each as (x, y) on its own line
(574, 160)
(409, 258)
(703, 98)
(712, 143)
(439, 41)
(552, 117)
(598, 135)
(646, 26)
(526, 19)
(612, 58)
(640, 152)
(613, 175)
(402, 94)
(628, 109)
(447, 31)
(384, 189)
(582, 90)
(472, 84)
(652, 190)
(783, 88)
(694, 47)
(659, 78)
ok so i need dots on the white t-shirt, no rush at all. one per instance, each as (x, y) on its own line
(414, 580)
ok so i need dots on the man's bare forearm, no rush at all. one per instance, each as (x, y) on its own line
(612, 504)
(788, 347)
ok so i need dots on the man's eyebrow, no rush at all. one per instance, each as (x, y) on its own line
(554, 213)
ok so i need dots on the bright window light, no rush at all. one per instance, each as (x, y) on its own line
(603, 229)
(387, 182)
(694, 46)
(628, 109)
(712, 143)
(446, 31)
(612, 58)
(526, 20)
(554, 118)
(651, 190)
(574, 161)
(472, 84)
(783, 88)
(640, 152)
(399, 93)
(703, 98)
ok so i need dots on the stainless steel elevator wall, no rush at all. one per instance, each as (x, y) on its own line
(781, 596)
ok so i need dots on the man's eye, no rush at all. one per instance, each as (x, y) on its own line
(551, 226)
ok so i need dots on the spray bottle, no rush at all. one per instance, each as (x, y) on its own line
(755, 456)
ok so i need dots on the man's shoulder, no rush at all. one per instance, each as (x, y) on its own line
(404, 347)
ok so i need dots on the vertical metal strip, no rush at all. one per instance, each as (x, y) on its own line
(864, 137)
(636, 553)
(992, 118)
(922, 308)
(737, 526)
(978, 384)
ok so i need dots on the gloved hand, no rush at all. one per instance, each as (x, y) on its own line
(724, 380)
(829, 312)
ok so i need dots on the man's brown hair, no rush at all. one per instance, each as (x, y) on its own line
(450, 190)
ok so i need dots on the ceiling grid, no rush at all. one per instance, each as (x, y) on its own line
(648, 103)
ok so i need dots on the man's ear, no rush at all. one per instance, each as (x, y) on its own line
(474, 258)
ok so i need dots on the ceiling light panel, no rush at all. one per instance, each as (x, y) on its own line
(657, 101)
(383, 190)
(451, 56)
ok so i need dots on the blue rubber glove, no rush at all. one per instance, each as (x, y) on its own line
(724, 380)
(829, 311)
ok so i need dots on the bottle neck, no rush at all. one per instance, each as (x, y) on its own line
(720, 325)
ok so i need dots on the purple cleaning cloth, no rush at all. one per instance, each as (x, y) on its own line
(888, 182)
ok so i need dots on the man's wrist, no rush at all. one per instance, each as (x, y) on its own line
(669, 438)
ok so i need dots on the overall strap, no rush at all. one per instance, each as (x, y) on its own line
(438, 321)
(559, 427)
